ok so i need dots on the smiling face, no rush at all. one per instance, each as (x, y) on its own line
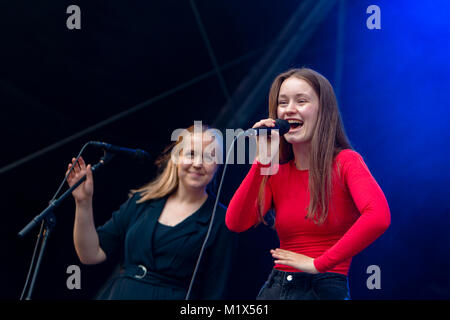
(197, 166)
(298, 103)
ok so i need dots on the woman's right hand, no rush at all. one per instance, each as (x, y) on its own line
(269, 123)
(264, 123)
(84, 192)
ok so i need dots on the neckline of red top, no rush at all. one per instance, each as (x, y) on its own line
(292, 164)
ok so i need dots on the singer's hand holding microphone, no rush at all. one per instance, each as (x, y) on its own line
(270, 124)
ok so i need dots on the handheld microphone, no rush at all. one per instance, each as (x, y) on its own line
(280, 124)
(134, 153)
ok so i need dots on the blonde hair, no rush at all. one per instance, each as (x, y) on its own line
(166, 182)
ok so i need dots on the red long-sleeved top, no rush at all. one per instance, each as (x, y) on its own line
(358, 211)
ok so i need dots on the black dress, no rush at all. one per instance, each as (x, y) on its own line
(157, 261)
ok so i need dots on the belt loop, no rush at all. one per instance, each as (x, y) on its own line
(273, 276)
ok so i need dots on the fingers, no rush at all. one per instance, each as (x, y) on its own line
(283, 257)
(284, 262)
(76, 166)
(68, 169)
(88, 173)
(288, 255)
(296, 260)
(279, 254)
(279, 251)
(79, 166)
(284, 254)
(264, 123)
(81, 163)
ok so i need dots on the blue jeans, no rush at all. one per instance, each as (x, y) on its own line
(304, 286)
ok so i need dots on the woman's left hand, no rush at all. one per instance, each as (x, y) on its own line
(295, 260)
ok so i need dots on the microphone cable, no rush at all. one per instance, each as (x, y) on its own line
(197, 264)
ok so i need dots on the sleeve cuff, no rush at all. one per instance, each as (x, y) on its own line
(319, 267)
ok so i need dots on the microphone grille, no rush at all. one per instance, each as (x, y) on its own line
(283, 126)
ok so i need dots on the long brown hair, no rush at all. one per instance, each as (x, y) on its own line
(329, 138)
(166, 181)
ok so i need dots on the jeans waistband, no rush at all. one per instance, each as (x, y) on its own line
(284, 277)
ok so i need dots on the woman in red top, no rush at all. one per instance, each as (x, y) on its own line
(328, 205)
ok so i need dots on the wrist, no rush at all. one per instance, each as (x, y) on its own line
(84, 204)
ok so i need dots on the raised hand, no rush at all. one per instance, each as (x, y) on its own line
(84, 192)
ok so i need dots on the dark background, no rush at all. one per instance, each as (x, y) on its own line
(160, 65)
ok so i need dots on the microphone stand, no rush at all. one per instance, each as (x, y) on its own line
(48, 221)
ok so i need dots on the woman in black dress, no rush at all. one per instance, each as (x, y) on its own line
(158, 233)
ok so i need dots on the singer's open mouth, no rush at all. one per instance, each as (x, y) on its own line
(294, 124)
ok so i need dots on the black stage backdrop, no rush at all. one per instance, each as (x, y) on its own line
(136, 71)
